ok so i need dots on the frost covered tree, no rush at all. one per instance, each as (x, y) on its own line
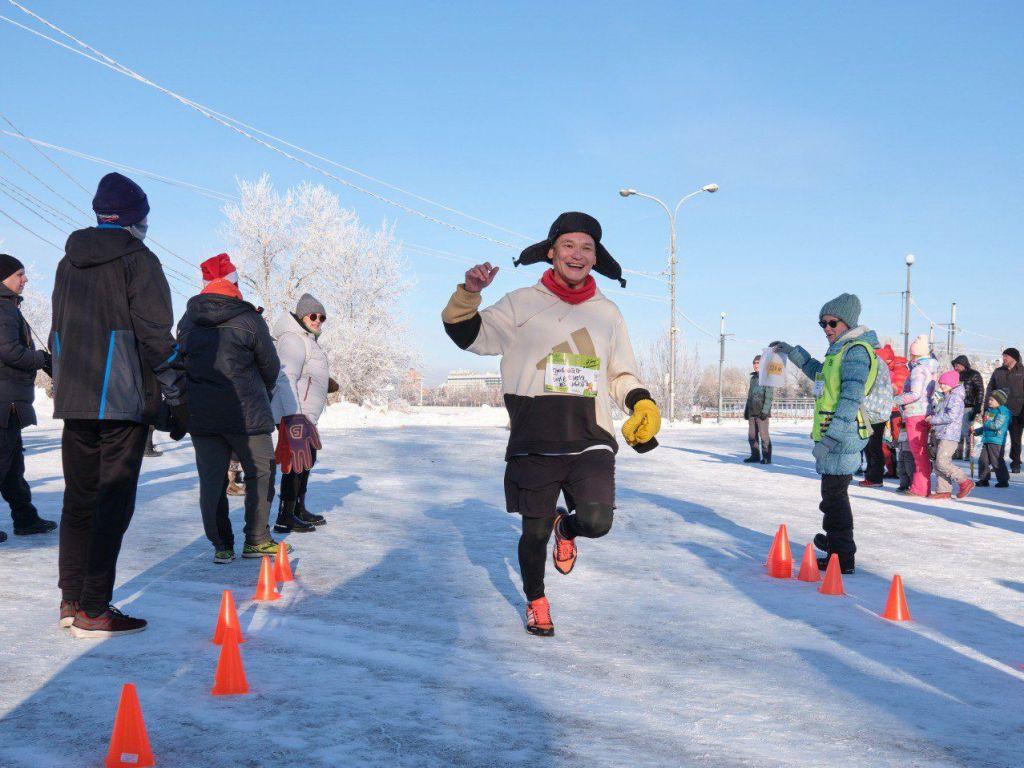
(653, 365)
(304, 241)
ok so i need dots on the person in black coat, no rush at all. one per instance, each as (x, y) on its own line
(115, 372)
(1009, 377)
(19, 362)
(232, 366)
(974, 394)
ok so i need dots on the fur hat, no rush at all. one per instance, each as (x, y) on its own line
(950, 379)
(845, 306)
(920, 346)
(564, 225)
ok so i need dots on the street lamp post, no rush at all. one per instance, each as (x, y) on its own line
(906, 308)
(672, 330)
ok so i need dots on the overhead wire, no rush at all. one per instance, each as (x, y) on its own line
(43, 183)
(30, 231)
(49, 159)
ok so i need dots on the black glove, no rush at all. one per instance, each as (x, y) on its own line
(47, 363)
(179, 421)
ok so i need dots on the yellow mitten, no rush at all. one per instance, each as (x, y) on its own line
(643, 425)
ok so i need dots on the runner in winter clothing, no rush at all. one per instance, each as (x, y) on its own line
(757, 412)
(232, 367)
(19, 362)
(974, 396)
(115, 372)
(840, 432)
(946, 417)
(915, 400)
(302, 389)
(566, 356)
(1010, 378)
(993, 441)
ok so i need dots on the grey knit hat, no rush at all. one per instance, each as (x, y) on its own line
(845, 306)
(308, 305)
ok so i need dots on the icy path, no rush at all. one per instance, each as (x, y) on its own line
(402, 643)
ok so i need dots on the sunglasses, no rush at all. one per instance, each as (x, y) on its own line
(314, 317)
(829, 323)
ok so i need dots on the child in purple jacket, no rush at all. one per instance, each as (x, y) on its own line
(946, 419)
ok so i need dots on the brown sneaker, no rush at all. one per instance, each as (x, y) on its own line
(564, 552)
(110, 623)
(538, 618)
(68, 609)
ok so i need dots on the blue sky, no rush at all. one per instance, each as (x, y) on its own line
(843, 137)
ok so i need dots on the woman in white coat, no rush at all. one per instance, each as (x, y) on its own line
(302, 388)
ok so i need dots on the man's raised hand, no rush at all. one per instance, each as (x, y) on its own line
(480, 276)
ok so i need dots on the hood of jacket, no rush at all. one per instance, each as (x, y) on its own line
(860, 333)
(928, 361)
(287, 323)
(94, 246)
(212, 309)
(962, 360)
(8, 294)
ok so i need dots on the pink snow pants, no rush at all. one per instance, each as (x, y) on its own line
(917, 434)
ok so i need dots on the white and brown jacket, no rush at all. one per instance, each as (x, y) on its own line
(525, 327)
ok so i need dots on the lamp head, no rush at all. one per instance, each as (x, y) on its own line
(627, 192)
(709, 188)
(910, 259)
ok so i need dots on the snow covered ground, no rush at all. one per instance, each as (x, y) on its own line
(402, 642)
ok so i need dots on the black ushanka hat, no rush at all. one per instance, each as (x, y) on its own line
(565, 224)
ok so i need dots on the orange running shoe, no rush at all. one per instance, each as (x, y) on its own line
(564, 553)
(538, 618)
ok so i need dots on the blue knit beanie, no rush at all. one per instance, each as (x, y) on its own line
(120, 201)
(845, 306)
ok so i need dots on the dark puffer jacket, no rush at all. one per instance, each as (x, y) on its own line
(974, 385)
(19, 361)
(232, 366)
(1011, 381)
(113, 353)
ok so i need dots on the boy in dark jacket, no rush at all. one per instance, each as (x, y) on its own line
(232, 366)
(757, 412)
(974, 402)
(19, 361)
(114, 361)
(993, 441)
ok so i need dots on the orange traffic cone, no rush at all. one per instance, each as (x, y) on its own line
(809, 565)
(833, 584)
(229, 679)
(282, 568)
(780, 558)
(896, 606)
(266, 587)
(227, 621)
(129, 745)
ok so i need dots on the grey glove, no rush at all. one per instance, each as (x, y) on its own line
(781, 347)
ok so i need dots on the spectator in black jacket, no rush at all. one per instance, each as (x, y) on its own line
(974, 393)
(232, 366)
(114, 360)
(1009, 377)
(19, 361)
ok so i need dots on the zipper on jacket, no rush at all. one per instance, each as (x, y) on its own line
(309, 383)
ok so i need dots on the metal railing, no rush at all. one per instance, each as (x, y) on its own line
(732, 408)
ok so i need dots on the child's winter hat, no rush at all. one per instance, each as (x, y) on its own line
(999, 396)
(950, 379)
(120, 201)
(920, 346)
(845, 306)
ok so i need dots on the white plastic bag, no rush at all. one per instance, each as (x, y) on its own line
(773, 369)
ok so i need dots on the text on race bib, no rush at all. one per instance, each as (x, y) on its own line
(572, 374)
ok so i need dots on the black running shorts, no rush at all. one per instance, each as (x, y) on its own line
(532, 482)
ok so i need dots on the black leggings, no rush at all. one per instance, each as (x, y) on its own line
(293, 484)
(591, 521)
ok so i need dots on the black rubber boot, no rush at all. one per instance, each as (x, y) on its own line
(305, 515)
(288, 521)
(755, 453)
(766, 455)
(34, 526)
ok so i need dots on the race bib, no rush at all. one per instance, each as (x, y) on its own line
(572, 374)
(819, 388)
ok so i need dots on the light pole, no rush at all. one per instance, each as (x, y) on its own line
(721, 364)
(672, 330)
(906, 308)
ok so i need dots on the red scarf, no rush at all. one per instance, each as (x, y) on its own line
(569, 295)
(222, 287)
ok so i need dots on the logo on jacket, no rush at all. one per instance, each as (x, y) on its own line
(580, 343)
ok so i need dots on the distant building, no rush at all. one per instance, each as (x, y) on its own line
(461, 381)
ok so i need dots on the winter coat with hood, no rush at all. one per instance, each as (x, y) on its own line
(113, 352)
(919, 387)
(995, 426)
(898, 370)
(19, 361)
(759, 400)
(1011, 381)
(231, 364)
(946, 415)
(842, 438)
(974, 385)
(305, 372)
